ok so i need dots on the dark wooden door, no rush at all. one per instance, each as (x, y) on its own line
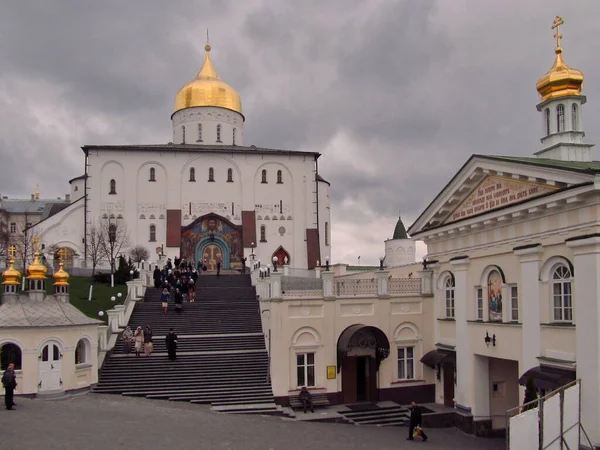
(448, 385)
(349, 379)
(373, 395)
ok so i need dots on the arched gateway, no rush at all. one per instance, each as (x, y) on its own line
(212, 239)
(360, 350)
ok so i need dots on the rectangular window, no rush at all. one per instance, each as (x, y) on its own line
(305, 369)
(13, 227)
(479, 304)
(450, 303)
(514, 303)
(406, 363)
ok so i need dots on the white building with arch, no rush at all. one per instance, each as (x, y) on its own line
(254, 203)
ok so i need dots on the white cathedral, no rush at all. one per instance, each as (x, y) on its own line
(203, 196)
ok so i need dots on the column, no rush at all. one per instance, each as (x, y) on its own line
(275, 279)
(328, 285)
(586, 303)
(464, 357)
(382, 283)
(529, 299)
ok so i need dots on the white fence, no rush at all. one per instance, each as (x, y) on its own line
(552, 422)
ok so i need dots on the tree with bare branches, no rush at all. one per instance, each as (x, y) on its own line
(114, 239)
(94, 247)
(139, 253)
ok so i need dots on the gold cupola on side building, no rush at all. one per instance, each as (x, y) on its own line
(207, 89)
(61, 277)
(36, 271)
(561, 80)
(11, 276)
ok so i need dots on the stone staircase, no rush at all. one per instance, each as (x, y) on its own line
(384, 416)
(221, 354)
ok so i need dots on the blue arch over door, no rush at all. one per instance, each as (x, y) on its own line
(213, 241)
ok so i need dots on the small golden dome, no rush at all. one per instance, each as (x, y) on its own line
(207, 89)
(561, 80)
(11, 275)
(36, 271)
(61, 277)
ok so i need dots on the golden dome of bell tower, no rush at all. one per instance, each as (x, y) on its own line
(207, 89)
(561, 80)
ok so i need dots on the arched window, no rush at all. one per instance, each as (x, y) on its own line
(113, 187)
(574, 117)
(547, 120)
(183, 134)
(192, 174)
(562, 295)
(10, 353)
(560, 118)
(199, 132)
(219, 133)
(279, 177)
(230, 175)
(234, 136)
(263, 233)
(152, 233)
(152, 174)
(81, 353)
(264, 176)
(211, 174)
(326, 233)
(449, 296)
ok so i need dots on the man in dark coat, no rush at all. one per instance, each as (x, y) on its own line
(306, 399)
(9, 381)
(178, 300)
(156, 275)
(415, 420)
(219, 268)
(171, 341)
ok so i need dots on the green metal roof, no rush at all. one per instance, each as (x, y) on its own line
(400, 231)
(579, 166)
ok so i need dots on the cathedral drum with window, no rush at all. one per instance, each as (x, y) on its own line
(53, 345)
(513, 242)
(265, 202)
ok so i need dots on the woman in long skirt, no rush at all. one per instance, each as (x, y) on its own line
(127, 337)
(148, 345)
(139, 340)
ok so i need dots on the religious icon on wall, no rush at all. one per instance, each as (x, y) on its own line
(495, 296)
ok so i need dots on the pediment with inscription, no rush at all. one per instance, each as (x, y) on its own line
(495, 192)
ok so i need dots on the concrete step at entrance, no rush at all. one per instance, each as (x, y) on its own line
(383, 416)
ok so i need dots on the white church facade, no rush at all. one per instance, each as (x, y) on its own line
(204, 195)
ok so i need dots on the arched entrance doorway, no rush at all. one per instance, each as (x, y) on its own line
(212, 250)
(283, 257)
(360, 350)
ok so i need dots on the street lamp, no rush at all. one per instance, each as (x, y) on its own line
(252, 255)
(131, 275)
(143, 264)
(100, 313)
(268, 270)
(327, 263)
(259, 263)
(275, 259)
(489, 340)
(113, 298)
(119, 294)
(381, 259)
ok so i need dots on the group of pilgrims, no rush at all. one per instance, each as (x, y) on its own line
(178, 282)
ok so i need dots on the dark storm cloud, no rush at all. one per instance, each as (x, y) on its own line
(395, 94)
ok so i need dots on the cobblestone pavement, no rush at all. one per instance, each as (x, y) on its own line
(114, 422)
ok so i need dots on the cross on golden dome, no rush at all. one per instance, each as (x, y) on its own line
(12, 251)
(36, 241)
(556, 26)
(61, 255)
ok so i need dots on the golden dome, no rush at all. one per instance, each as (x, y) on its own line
(11, 275)
(61, 277)
(36, 271)
(561, 80)
(207, 89)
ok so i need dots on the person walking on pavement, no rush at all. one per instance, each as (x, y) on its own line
(164, 299)
(171, 341)
(218, 268)
(415, 421)
(9, 381)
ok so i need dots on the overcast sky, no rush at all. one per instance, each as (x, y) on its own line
(396, 95)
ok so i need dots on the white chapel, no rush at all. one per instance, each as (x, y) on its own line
(203, 196)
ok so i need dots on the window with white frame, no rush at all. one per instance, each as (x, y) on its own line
(449, 297)
(305, 369)
(562, 294)
(547, 119)
(406, 363)
(514, 304)
(13, 227)
(479, 305)
(574, 117)
(560, 118)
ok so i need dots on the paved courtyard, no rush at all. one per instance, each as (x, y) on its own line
(112, 422)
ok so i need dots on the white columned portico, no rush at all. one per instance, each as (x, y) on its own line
(464, 357)
(586, 263)
(530, 261)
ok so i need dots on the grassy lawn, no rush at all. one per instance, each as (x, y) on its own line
(78, 293)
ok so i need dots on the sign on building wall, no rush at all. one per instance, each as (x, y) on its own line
(331, 373)
(497, 192)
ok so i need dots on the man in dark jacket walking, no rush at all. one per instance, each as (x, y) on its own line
(9, 381)
(171, 341)
(415, 420)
